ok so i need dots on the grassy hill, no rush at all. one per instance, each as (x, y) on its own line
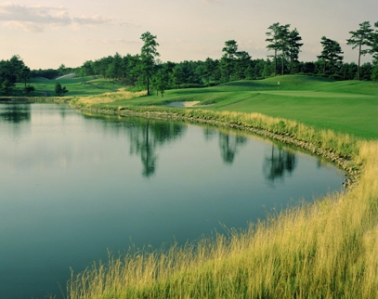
(346, 106)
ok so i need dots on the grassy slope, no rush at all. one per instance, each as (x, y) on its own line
(346, 107)
(326, 250)
(80, 86)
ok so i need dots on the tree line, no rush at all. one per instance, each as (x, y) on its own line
(146, 71)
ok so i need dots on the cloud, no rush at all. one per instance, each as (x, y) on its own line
(213, 2)
(36, 18)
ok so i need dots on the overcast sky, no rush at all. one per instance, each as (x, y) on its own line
(47, 33)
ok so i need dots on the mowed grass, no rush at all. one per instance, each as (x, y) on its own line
(79, 86)
(345, 107)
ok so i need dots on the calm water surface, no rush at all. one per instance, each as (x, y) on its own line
(74, 186)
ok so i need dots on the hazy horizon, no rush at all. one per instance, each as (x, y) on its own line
(46, 34)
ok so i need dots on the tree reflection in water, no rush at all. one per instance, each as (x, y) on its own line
(278, 163)
(146, 136)
(15, 113)
(229, 144)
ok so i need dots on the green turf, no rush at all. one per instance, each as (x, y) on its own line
(344, 106)
(79, 86)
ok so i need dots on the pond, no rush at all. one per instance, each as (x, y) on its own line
(75, 186)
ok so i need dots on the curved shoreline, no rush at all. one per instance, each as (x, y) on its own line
(341, 162)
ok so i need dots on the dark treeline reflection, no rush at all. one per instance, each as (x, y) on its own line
(145, 136)
(229, 144)
(278, 163)
(15, 113)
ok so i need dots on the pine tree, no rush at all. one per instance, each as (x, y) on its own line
(360, 38)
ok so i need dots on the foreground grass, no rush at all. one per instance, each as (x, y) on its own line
(327, 249)
(324, 250)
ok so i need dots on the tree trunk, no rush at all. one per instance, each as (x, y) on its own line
(275, 63)
(282, 63)
(359, 60)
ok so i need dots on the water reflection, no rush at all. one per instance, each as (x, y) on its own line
(229, 144)
(146, 136)
(15, 113)
(85, 189)
(279, 162)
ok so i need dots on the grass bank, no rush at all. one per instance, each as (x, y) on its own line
(327, 249)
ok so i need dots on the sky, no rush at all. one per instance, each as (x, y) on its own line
(48, 33)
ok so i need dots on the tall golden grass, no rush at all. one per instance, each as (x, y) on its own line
(327, 249)
(107, 97)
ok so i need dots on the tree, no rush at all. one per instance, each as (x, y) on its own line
(242, 63)
(7, 86)
(209, 67)
(331, 54)
(293, 46)
(59, 90)
(373, 50)
(29, 89)
(87, 68)
(274, 37)
(228, 58)
(358, 39)
(283, 45)
(162, 81)
(25, 74)
(177, 75)
(62, 70)
(148, 54)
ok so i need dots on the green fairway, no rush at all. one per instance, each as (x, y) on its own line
(343, 106)
(79, 86)
(346, 107)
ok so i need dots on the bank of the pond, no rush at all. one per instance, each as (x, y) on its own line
(327, 249)
(282, 130)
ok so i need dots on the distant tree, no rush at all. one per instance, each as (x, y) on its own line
(177, 75)
(62, 70)
(59, 90)
(7, 87)
(358, 39)
(117, 66)
(25, 74)
(29, 89)
(373, 50)
(331, 54)
(148, 54)
(209, 67)
(243, 61)
(293, 48)
(284, 46)
(162, 81)
(228, 58)
(16, 65)
(274, 38)
(87, 68)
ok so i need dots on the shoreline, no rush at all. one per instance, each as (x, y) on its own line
(341, 162)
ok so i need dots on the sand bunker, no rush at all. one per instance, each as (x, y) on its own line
(183, 104)
(68, 76)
